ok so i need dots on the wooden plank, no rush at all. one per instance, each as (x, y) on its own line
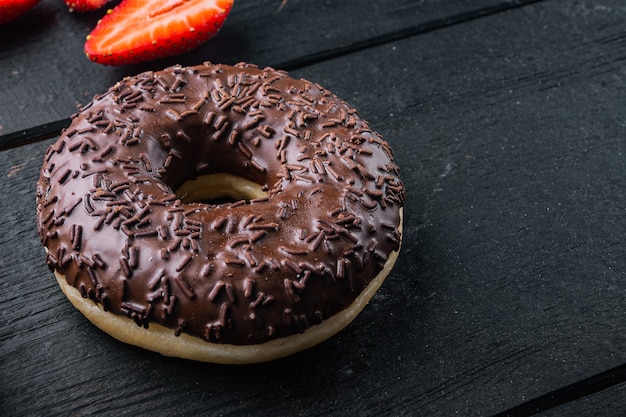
(515, 163)
(509, 132)
(44, 76)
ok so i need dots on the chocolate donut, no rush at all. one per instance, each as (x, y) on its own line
(220, 213)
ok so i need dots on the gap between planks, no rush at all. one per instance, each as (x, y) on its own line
(568, 393)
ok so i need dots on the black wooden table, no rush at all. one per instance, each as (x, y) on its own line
(508, 119)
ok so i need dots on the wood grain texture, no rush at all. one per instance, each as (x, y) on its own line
(510, 134)
(45, 77)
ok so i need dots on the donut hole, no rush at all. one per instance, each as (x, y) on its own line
(219, 188)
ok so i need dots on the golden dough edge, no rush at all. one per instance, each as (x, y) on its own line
(160, 339)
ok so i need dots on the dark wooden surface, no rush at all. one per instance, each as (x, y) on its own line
(508, 119)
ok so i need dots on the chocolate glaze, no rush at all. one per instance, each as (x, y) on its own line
(238, 273)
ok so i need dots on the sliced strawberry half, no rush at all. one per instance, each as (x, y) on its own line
(12, 9)
(83, 6)
(142, 30)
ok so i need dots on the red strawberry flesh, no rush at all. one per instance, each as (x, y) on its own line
(83, 6)
(142, 30)
(12, 9)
